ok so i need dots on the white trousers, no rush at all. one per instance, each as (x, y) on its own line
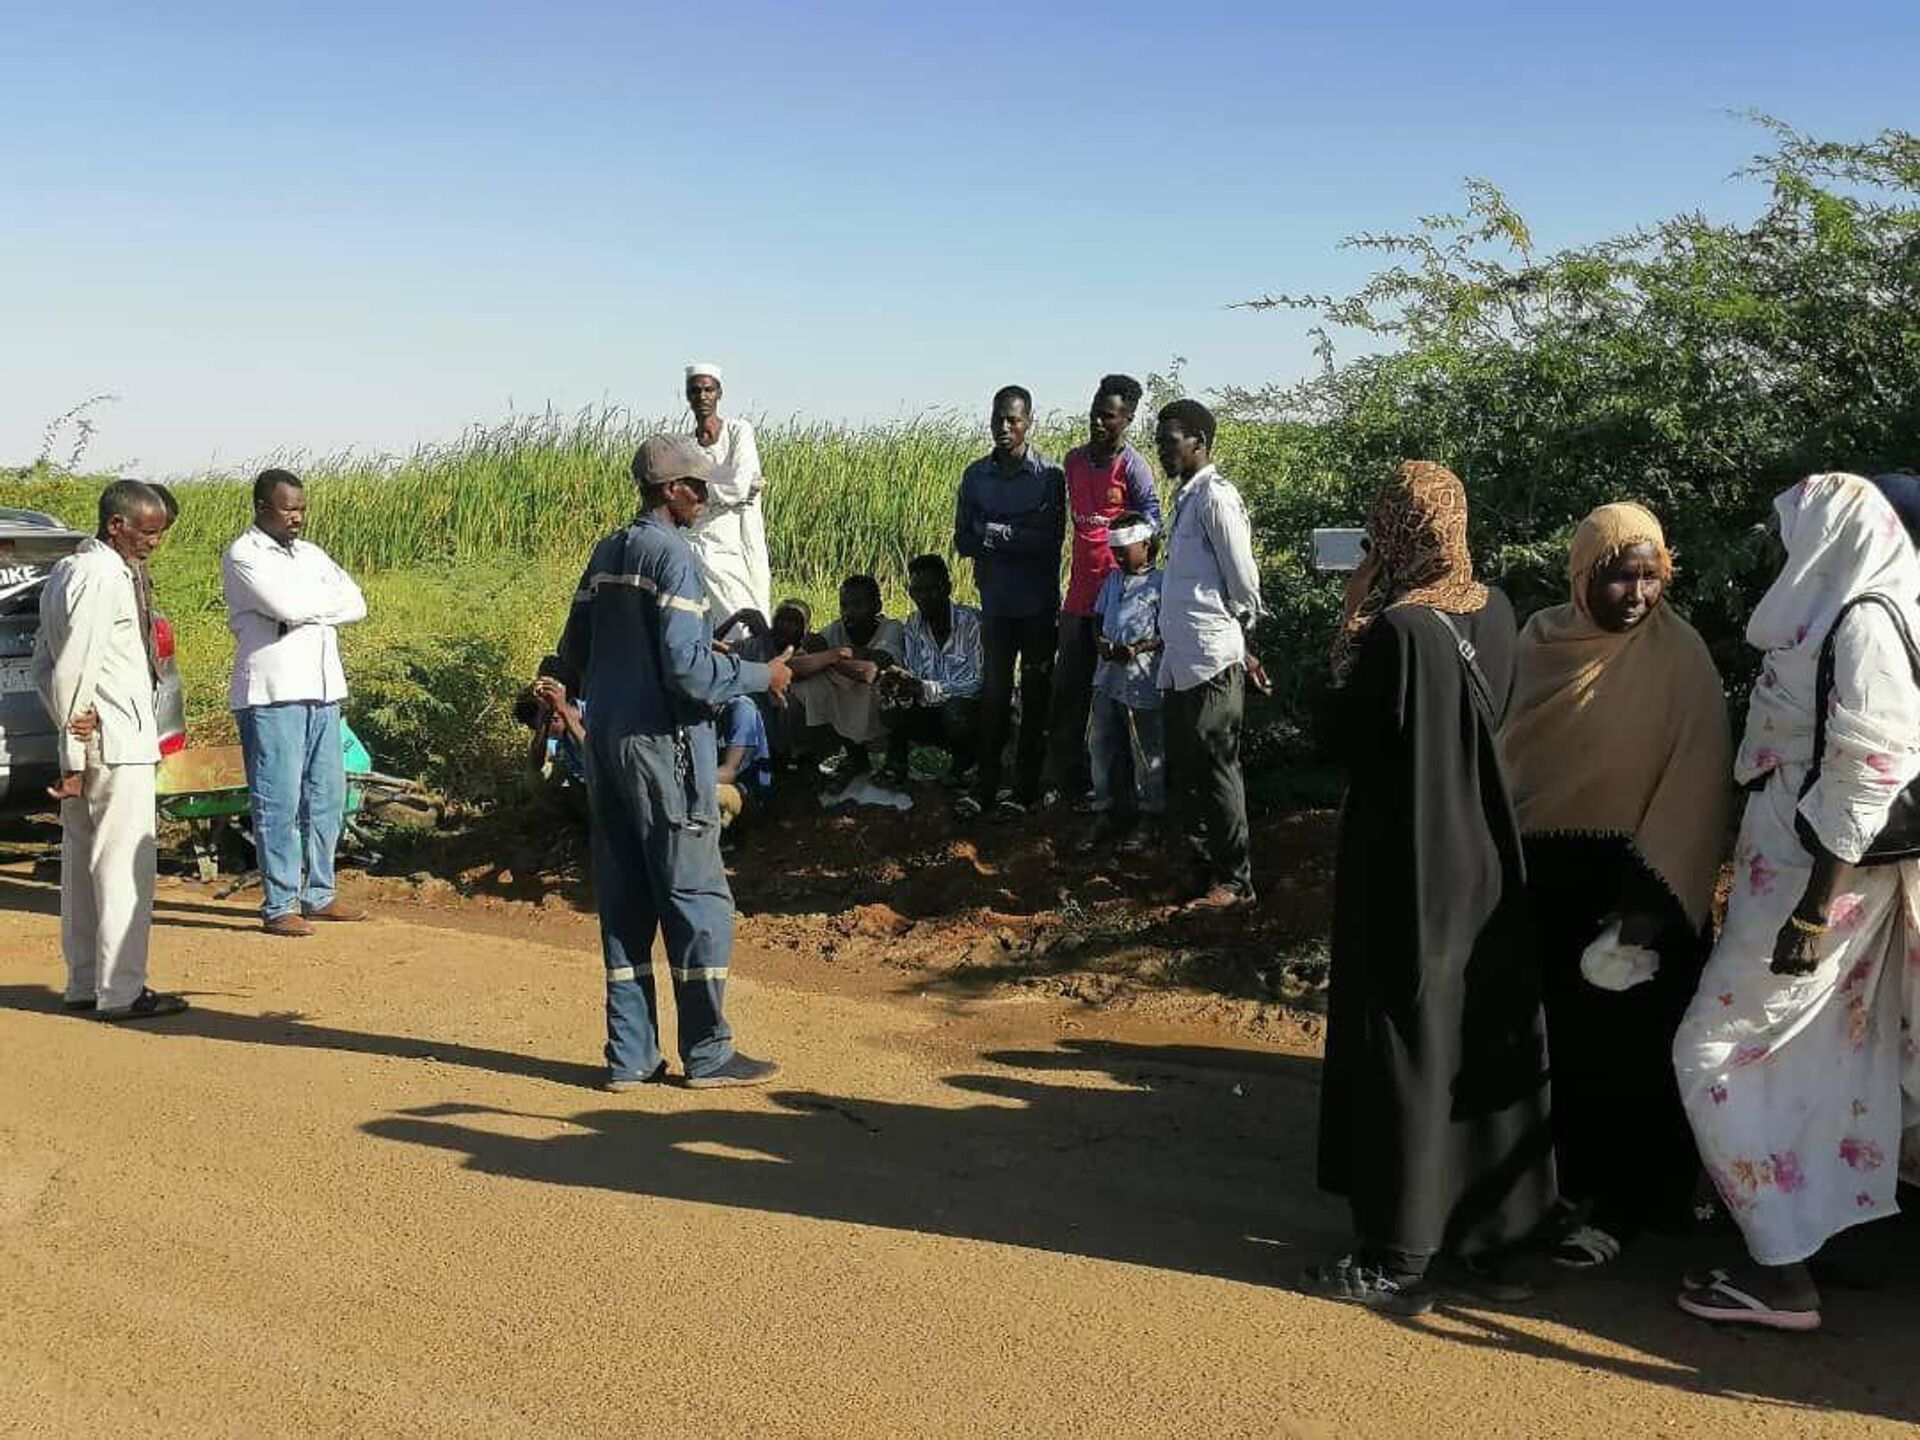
(107, 850)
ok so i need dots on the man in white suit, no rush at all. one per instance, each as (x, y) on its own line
(94, 665)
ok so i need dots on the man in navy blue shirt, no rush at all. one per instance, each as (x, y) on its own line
(1011, 521)
(640, 638)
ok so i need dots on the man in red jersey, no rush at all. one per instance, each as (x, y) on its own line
(1105, 478)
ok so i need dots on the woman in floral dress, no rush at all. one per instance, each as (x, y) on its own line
(1794, 1062)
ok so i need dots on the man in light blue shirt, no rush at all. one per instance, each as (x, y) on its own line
(1210, 599)
(934, 698)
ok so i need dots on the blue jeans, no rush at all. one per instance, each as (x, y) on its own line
(297, 782)
(1118, 731)
(657, 871)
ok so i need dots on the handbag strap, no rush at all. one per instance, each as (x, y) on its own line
(1477, 682)
(1823, 676)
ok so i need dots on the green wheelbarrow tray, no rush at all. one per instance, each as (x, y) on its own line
(206, 788)
(210, 782)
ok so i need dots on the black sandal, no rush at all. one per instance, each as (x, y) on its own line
(147, 1005)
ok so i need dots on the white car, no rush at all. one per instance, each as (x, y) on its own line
(30, 544)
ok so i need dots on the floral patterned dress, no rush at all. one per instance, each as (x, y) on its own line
(1802, 1089)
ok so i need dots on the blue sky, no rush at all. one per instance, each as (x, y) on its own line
(368, 225)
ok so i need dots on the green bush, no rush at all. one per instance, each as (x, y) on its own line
(1699, 368)
(439, 709)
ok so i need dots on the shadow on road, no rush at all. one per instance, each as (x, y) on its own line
(35, 897)
(1178, 1157)
(290, 1028)
(1185, 1158)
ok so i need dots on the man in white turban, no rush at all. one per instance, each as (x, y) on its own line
(730, 539)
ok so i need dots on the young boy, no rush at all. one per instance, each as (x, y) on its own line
(835, 686)
(1128, 748)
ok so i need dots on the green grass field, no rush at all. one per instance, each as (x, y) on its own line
(469, 551)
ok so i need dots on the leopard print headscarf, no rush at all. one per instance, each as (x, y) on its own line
(1419, 531)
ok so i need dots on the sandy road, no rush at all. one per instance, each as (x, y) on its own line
(365, 1188)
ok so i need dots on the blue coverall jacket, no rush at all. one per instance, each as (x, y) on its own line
(640, 640)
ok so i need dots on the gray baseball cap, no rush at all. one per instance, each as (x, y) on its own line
(662, 459)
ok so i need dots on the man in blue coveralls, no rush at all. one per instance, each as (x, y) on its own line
(639, 639)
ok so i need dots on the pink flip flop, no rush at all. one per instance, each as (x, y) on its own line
(1741, 1308)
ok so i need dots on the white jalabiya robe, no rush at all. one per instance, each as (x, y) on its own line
(1802, 1089)
(730, 542)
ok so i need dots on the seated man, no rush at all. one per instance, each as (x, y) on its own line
(745, 771)
(791, 634)
(834, 687)
(557, 750)
(934, 698)
(792, 629)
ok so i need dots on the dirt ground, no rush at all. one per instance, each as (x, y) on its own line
(1034, 1165)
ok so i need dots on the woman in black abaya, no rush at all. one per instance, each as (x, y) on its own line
(1433, 1116)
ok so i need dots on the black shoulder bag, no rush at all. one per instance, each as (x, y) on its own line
(1899, 839)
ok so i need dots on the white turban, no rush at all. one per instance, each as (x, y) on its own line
(705, 367)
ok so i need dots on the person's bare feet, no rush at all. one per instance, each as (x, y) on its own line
(288, 927)
(335, 911)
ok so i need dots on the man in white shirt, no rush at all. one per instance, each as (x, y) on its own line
(730, 539)
(1209, 600)
(94, 666)
(285, 600)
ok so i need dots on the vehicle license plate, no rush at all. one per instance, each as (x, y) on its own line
(16, 675)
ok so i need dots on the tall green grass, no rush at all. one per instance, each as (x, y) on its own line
(840, 499)
(468, 551)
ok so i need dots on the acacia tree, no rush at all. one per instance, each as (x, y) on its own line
(1696, 367)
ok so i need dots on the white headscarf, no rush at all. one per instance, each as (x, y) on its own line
(1843, 540)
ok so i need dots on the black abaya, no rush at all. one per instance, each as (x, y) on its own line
(1433, 1115)
(1621, 1136)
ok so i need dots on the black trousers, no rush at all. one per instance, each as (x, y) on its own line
(1073, 666)
(952, 726)
(1030, 641)
(1206, 793)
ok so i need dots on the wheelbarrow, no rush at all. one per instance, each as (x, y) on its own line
(205, 789)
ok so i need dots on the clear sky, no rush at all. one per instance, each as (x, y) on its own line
(365, 225)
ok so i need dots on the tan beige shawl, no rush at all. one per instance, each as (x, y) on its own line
(1623, 734)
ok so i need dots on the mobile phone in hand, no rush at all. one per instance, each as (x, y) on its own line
(1338, 551)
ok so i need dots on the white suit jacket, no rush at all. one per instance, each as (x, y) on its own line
(91, 654)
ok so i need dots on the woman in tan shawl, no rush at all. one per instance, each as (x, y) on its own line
(1619, 755)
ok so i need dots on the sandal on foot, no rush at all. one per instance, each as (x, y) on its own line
(1724, 1303)
(148, 1005)
(1586, 1247)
